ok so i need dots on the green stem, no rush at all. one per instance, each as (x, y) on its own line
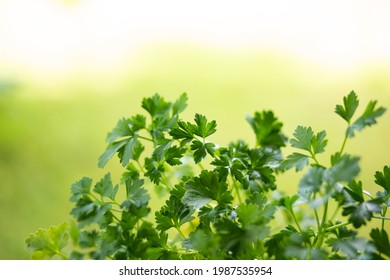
(343, 145)
(140, 166)
(337, 226)
(383, 215)
(381, 218)
(321, 231)
(145, 138)
(296, 221)
(180, 232)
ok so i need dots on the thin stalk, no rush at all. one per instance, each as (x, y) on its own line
(180, 232)
(321, 231)
(145, 138)
(337, 226)
(381, 218)
(383, 214)
(296, 221)
(343, 145)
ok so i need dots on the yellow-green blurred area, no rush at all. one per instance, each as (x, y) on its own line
(53, 123)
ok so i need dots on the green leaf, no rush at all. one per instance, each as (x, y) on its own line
(136, 194)
(297, 160)
(381, 241)
(344, 170)
(201, 150)
(173, 214)
(205, 188)
(155, 105)
(132, 147)
(268, 129)
(204, 128)
(105, 187)
(154, 169)
(288, 202)
(88, 211)
(46, 243)
(184, 130)
(180, 104)
(383, 179)
(368, 118)
(355, 190)
(173, 155)
(306, 140)
(362, 212)
(351, 102)
(121, 130)
(110, 151)
(354, 248)
(311, 182)
(80, 189)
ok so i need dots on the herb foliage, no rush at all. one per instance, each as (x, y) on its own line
(222, 202)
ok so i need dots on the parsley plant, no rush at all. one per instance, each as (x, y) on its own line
(222, 202)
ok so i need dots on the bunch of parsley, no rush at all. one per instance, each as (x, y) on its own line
(222, 202)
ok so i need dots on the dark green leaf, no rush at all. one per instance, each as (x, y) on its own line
(155, 105)
(173, 214)
(136, 194)
(201, 149)
(154, 169)
(360, 213)
(184, 130)
(204, 128)
(105, 188)
(351, 102)
(383, 179)
(205, 188)
(268, 129)
(381, 241)
(354, 248)
(173, 155)
(80, 189)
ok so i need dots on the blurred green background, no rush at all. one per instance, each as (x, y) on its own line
(58, 103)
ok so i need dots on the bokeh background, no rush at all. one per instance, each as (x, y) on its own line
(70, 69)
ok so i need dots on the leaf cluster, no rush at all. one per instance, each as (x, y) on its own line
(181, 196)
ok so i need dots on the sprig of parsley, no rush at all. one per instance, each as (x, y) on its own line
(222, 202)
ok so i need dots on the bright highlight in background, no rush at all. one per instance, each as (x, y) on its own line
(50, 35)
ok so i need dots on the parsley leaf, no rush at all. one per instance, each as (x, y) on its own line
(297, 160)
(204, 128)
(381, 241)
(105, 187)
(136, 194)
(306, 140)
(351, 102)
(383, 179)
(174, 213)
(45, 243)
(205, 188)
(268, 129)
(368, 118)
